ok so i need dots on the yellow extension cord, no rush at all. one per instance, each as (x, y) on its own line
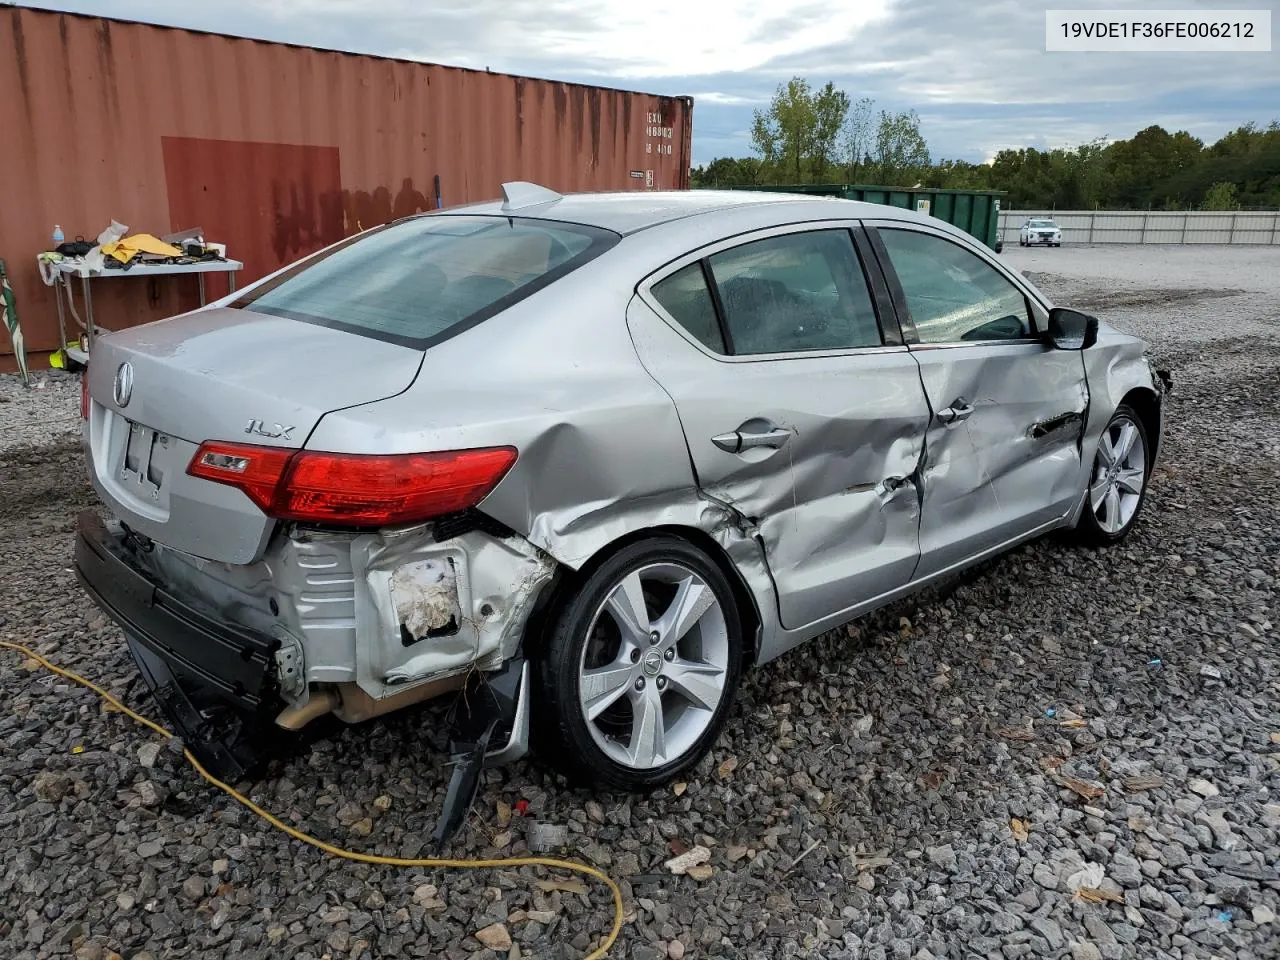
(329, 848)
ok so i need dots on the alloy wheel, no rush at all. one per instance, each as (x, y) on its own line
(655, 665)
(1119, 475)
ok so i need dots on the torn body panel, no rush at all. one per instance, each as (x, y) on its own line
(427, 610)
(1003, 449)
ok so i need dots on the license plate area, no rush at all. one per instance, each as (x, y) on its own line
(143, 466)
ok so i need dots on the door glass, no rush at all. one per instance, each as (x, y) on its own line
(800, 291)
(685, 296)
(952, 294)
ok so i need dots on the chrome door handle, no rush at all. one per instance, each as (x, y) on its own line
(769, 438)
(960, 409)
(739, 440)
(730, 442)
(888, 488)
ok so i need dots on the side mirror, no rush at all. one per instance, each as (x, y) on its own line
(1071, 329)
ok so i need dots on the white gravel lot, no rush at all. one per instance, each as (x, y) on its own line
(1066, 753)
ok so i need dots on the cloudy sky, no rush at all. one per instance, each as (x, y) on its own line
(975, 70)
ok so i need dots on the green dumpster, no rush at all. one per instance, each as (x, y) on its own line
(976, 212)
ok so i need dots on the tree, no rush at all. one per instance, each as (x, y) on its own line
(900, 149)
(1220, 196)
(830, 108)
(856, 136)
(729, 172)
(798, 134)
(784, 135)
(808, 134)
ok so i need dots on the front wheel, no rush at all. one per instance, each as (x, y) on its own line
(1118, 480)
(641, 667)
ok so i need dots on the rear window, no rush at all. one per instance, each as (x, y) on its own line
(422, 280)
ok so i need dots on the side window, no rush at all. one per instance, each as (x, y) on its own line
(799, 291)
(685, 296)
(952, 294)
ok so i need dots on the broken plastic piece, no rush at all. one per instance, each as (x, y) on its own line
(486, 707)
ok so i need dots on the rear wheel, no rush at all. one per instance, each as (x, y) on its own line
(641, 667)
(1118, 480)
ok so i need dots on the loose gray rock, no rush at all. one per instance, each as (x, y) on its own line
(897, 745)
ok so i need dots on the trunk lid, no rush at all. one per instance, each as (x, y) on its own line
(162, 389)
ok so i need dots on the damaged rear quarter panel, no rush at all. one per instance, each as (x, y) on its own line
(601, 450)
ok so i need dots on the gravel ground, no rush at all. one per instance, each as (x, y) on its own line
(1064, 754)
(45, 412)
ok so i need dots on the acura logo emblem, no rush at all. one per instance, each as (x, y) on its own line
(652, 663)
(123, 388)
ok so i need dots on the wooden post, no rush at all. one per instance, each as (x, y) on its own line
(1186, 215)
(1145, 217)
(1231, 237)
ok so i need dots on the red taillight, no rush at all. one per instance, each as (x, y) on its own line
(84, 395)
(354, 489)
(255, 470)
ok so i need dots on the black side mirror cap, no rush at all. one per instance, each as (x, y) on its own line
(1071, 330)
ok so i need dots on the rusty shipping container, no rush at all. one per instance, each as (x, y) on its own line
(274, 149)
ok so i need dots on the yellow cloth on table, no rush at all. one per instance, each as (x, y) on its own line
(127, 248)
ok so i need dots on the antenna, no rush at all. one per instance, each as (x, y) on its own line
(521, 193)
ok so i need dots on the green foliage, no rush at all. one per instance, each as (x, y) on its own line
(1220, 196)
(823, 136)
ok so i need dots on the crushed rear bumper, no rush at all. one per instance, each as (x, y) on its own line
(215, 680)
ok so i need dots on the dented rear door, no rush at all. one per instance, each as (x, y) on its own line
(816, 449)
(1002, 453)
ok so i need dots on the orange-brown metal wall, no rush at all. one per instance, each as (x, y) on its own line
(274, 149)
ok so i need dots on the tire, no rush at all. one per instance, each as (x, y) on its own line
(1111, 504)
(685, 679)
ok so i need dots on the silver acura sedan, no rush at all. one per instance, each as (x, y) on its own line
(585, 459)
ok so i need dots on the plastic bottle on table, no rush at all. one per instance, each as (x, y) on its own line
(57, 234)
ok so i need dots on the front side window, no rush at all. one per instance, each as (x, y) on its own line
(799, 291)
(952, 293)
(416, 281)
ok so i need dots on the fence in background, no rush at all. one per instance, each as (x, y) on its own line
(1152, 226)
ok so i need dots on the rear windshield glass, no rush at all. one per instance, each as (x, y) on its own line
(1043, 223)
(420, 281)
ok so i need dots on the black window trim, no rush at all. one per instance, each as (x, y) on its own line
(887, 322)
(899, 297)
(602, 240)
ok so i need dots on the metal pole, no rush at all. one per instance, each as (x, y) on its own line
(88, 310)
(1186, 215)
(62, 313)
(1145, 217)
(1092, 215)
(1275, 222)
(1231, 237)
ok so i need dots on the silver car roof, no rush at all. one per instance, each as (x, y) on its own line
(629, 212)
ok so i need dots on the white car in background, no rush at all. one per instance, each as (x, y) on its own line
(1040, 230)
